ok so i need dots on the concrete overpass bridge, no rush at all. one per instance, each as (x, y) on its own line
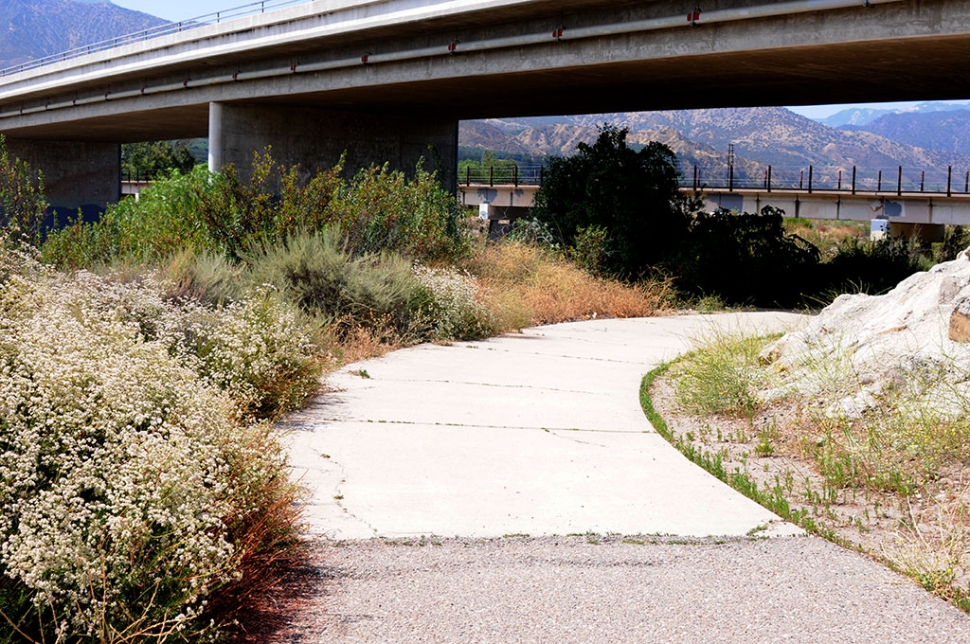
(916, 208)
(386, 79)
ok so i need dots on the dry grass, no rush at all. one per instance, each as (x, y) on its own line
(524, 285)
(827, 236)
(892, 483)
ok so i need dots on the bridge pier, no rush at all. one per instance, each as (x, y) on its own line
(77, 175)
(316, 138)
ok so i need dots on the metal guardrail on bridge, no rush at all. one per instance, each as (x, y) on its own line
(224, 15)
(850, 180)
(845, 179)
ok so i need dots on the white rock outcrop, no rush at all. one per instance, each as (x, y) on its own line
(861, 344)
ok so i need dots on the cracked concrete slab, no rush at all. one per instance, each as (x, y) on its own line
(536, 433)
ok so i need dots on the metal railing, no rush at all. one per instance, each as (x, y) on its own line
(528, 175)
(241, 11)
(893, 180)
(897, 180)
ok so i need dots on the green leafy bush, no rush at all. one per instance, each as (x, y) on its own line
(22, 203)
(378, 211)
(744, 258)
(631, 195)
(870, 266)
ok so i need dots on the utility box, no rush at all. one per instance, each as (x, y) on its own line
(878, 229)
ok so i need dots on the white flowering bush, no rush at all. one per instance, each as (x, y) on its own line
(133, 489)
(255, 349)
(452, 305)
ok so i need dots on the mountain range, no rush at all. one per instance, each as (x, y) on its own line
(760, 136)
(31, 29)
(865, 115)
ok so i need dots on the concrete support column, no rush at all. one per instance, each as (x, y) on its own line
(317, 138)
(215, 137)
(77, 175)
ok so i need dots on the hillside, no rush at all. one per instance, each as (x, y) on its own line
(31, 29)
(761, 136)
(944, 131)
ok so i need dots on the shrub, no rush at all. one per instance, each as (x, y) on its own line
(130, 492)
(452, 306)
(319, 274)
(870, 266)
(745, 258)
(22, 203)
(379, 211)
(631, 195)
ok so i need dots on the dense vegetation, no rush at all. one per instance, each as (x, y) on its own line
(618, 211)
(152, 160)
(144, 495)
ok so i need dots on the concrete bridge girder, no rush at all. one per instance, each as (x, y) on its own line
(376, 77)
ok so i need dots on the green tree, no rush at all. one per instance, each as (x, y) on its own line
(22, 203)
(501, 170)
(155, 159)
(629, 198)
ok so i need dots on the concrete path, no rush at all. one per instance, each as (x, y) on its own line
(497, 447)
(539, 433)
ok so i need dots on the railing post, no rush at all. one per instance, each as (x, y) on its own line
(468, 175)
(491, 176)
(769, 178)
(840, 180)
(801, 179)
(731, 178)
(515, 175)
(853, 179)
(966, 188)
(949, 180)
(922, 181)
(879, 182)
(811, 176)
(899, 182)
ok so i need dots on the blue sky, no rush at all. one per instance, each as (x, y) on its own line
(822, 111)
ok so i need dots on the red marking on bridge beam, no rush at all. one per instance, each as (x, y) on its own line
(557, 32)
(365, 58)
(293, 67)
(453, 46)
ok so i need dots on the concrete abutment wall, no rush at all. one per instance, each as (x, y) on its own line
(77, 175)
(316, 139)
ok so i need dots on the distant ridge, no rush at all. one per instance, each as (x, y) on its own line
(32, 29)
(766, 135)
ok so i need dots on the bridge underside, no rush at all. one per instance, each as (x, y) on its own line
(392, 110)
